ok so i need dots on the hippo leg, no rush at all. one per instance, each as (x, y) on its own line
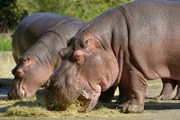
(138, 86)
(107, 96)
(123, 88)
(177, 97)
(168, 87)
(123, 96)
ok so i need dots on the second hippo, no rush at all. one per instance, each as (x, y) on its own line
(35, 47)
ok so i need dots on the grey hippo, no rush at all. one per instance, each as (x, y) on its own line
(140, 39)
(36, 43)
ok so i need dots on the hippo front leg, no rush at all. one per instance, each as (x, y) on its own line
(138, 86)
(124, 87)
(123, 96)
(107, 96)
(168, 88)
(177, 97)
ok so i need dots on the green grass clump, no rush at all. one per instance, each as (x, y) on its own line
(5, 42)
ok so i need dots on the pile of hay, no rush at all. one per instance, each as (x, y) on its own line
(36, 108)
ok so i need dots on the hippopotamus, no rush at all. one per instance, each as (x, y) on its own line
(35, 47)
(141, 38)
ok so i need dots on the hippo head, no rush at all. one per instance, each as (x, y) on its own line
(29, 75)
(87, 69)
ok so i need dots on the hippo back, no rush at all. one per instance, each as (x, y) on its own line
(32, 28)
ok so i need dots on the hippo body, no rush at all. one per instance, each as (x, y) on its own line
(140, 39)
(35, 47)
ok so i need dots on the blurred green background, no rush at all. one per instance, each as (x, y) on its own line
(13, 11)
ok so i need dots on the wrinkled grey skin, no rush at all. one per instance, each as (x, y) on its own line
(35, 48)
(141, 38)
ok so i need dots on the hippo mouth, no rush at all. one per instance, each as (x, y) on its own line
(84, 100)
(17, 92)
(23, 94)
(88, 100)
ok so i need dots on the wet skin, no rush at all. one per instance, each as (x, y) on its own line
(35, 47)
(117, 41)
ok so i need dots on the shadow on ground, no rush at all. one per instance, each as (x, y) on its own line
(5, 86)
(162, 105)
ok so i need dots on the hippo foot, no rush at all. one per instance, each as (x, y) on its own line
(135, 108)
(131, 108)
(161, 97)
(123, 107)
(176, 98)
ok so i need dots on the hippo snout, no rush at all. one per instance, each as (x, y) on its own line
(65, 88)
(16, 94)
(62, 91)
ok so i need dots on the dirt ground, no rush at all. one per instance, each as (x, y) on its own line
(154, 110)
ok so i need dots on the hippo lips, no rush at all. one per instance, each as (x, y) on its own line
(86, 101)
(21, 94)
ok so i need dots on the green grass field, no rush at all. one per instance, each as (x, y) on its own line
(5, 42)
